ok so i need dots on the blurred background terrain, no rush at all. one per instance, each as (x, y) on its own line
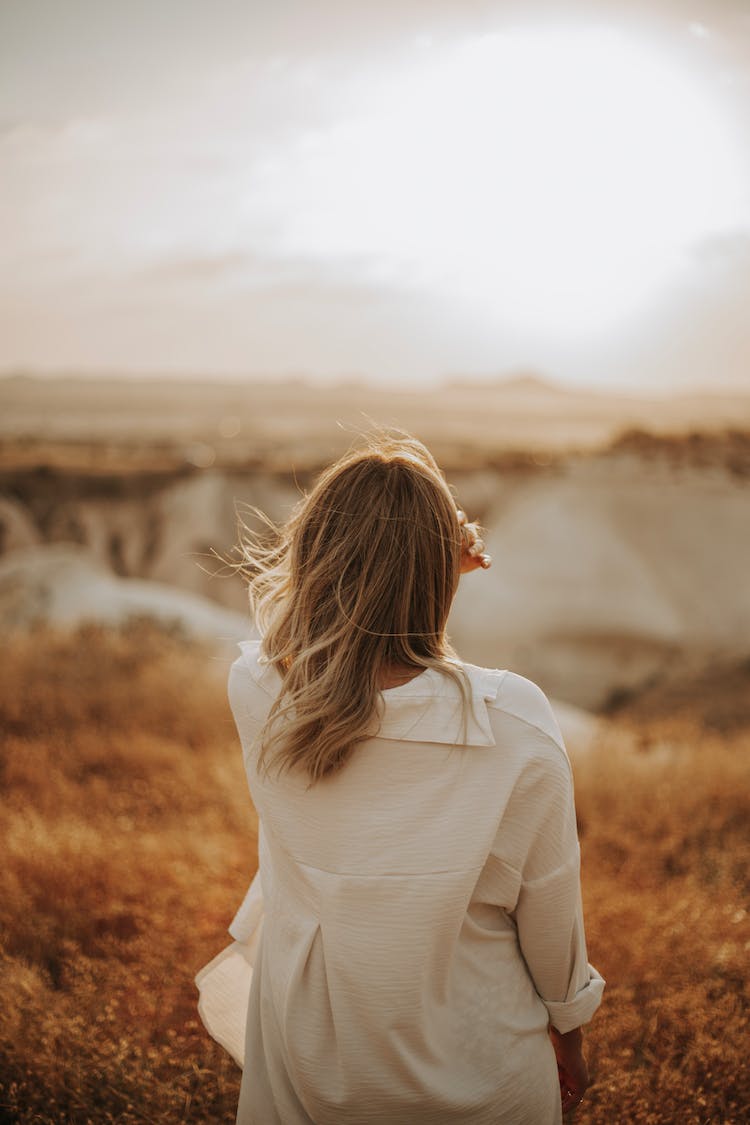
(619, 528)
(619, 525)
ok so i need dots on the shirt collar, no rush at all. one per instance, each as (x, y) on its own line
(428, 708)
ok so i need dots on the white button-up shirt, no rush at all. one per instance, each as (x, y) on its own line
(415, 924)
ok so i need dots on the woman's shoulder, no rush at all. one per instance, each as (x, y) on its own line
(252, 671)
(510, 696)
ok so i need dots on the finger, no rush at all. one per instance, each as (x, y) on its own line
(572, 1089)
(470, 561)
(568, 1107)
(469, 533)
(570, 1100)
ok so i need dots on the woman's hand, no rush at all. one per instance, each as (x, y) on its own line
(571, 1066)
(472, 553)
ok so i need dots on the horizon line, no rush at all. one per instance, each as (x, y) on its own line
(516, 379)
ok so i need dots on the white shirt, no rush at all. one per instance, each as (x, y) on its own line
(421, 914)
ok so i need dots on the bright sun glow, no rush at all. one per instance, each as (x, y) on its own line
(551, 180)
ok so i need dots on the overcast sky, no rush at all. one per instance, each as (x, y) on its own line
(397, 190)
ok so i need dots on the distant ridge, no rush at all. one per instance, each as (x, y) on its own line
(525, 382)
(278, 425)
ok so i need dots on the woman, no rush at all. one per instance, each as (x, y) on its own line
(421, 956)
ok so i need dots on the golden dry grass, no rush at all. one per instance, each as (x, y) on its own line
(129, 839)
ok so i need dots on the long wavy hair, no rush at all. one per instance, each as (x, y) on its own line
(358, 581)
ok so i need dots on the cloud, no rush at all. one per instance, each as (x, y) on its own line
(252, 271)
(727, 247)
(203, 268)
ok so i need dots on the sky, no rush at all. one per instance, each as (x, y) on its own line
(400, 192)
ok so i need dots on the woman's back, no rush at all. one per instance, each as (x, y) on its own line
(422, 926)
(422, 915)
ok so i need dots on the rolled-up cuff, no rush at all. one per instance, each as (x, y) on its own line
(567, 1014)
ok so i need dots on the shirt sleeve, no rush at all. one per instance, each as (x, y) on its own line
(548, 912)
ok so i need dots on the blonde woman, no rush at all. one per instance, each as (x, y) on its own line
(414, 932)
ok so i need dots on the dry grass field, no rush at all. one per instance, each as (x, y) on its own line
(128, 841)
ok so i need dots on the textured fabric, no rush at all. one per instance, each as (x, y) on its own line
(421, 910)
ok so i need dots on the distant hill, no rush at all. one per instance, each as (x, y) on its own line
(280, 426)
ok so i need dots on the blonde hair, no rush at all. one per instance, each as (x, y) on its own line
(360, 578)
